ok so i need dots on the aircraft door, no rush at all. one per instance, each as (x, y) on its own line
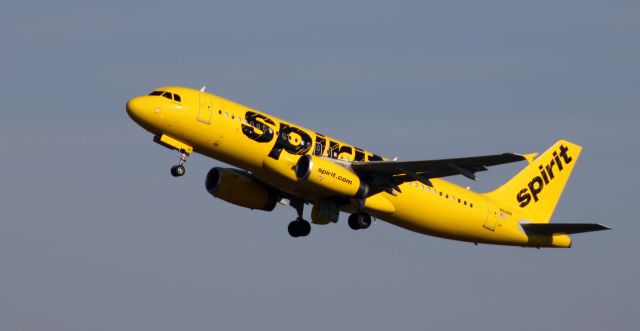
(492, 216)
(204, 113)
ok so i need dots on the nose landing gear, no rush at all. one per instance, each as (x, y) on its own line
(179, 170)
(174, 144)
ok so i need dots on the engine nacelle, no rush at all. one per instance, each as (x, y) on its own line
(240, 188)
(325, 176)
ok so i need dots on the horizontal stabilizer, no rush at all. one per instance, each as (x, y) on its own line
(562, 228)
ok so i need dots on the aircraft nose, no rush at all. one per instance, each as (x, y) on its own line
(135, 108)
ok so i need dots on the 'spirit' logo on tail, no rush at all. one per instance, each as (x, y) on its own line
(538, 183)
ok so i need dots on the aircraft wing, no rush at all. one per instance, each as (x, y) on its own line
(393, 173)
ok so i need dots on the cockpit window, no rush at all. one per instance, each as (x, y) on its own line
(167, 95)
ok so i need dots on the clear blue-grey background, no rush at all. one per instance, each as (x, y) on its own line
(96, 235)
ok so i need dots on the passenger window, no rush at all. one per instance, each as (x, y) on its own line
(176, 97)
(167, 95)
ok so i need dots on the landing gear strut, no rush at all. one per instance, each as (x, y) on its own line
(359, 221)
(299, 227)
(179, 170)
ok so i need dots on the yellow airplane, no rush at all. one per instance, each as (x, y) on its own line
(278, 161)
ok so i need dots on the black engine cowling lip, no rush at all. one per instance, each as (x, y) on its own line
(303, 167)
(211, 183)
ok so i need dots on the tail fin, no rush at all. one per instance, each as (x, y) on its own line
(537, 188)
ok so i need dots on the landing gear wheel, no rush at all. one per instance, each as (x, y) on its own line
(178, 171)
(299, 228)
(364, 221)
(305, 228)
(359, 221)
(293, 229)
(353, 222)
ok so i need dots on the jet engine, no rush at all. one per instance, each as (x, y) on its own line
(240, 188)
(331, 178)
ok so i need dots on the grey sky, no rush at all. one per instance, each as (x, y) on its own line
(96, 235)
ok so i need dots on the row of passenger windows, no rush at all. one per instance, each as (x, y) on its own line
(265, 128)
(442, 194)
(259, 126)
(254, 124)
(168, 95)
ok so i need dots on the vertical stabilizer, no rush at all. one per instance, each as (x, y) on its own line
(537, 188)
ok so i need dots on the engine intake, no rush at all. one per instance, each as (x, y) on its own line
(240, 188)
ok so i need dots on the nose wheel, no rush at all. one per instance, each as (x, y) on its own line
(179, 170)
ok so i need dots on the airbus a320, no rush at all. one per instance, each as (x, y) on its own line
(277, 161)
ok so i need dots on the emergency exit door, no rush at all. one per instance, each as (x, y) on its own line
(492, 216)
(204, 113)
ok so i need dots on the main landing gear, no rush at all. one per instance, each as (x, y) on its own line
(302, 228)
(359, 221)
(179, 170)
(299, 227)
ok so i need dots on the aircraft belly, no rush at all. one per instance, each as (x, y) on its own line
(441, 217)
